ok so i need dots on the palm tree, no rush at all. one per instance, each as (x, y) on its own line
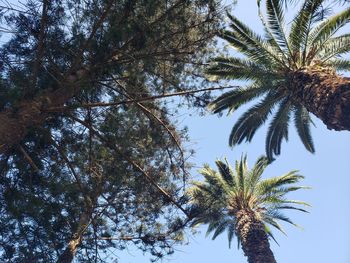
(294, 73)
(244, 204)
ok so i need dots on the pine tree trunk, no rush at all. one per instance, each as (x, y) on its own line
(324, 93)
(15, 122)
(254, 240)
(68, 254)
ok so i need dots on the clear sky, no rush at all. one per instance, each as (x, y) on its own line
(325, 236)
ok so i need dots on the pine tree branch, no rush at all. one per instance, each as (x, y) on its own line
(128, 101)
(29, 159)
(114, 147)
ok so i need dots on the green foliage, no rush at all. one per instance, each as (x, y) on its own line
(223, 193)
(112, 174)
(269, 62)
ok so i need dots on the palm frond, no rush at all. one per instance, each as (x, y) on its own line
(297, 202)
(269, 220)
(278, 129)
(237, 68)
(221, 228)
(271, 39)
(339, 64)
(256, 172)
(275, 214)
(213, 225)
(269, 233)
(251, 44)
(275, 19)
(302, 122)
(232, 100)
(329, 27)
(265, 187)
(225, 172)
(266, 200)
(231, 230)
(334, 47)
(280, 207)
(252, 119)
(241, 167)
(300, 30)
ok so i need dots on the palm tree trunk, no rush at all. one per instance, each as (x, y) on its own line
(324, 93)
(254, 240)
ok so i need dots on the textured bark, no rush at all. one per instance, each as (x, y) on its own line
(325, 94)
(68, 254)
(16, 121)
(254, 240)
(70, 251)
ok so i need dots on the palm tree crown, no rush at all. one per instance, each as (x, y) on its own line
(294, 73)
(227, 199)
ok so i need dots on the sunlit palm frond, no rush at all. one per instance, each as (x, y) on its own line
(252, 44)
(323, 32)
(275, 19)
(339, 64)
(334, 47)
(267, 198)
(300, 30)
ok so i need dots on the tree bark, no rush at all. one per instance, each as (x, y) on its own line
(324, 93)
(68, 254)
(16, 121)
(254, 240)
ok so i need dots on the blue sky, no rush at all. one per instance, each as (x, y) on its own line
(325, 236)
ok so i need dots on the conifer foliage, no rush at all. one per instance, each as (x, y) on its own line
(88, 163)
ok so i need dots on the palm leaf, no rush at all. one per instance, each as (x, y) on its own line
(328, 28)
(278, 130)
(225, 172)
(271, 39)
(301, 28)
(275, 224)
(265, 187)
(236, 68)
(334, 47)
(256, 172)
(269, 232)
(275, 21)
(231, 233)
(339, 64)
(221, 228)
(255, 47)
(279, 207)
(277, 215)
(302, 122)
(234, 99)
(252, 119)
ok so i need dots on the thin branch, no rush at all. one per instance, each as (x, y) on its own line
(29, 159)
(128, 101)
(133, 163)
(71, 168)
(40, 48)
(162, 123)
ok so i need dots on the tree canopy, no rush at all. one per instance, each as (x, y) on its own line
(89, 160)
(292, 72)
